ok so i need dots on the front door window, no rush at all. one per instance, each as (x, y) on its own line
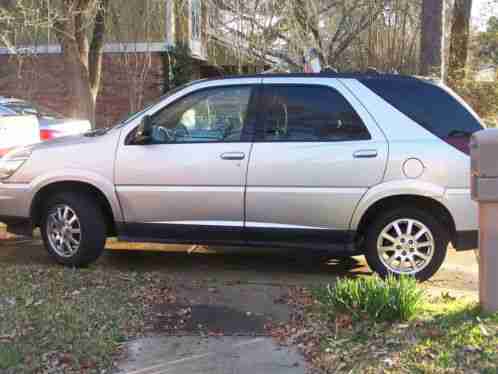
(211, 115)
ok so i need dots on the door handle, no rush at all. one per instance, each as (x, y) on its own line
(233, 156)
(365, 153)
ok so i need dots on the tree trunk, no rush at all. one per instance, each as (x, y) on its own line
(460, 29)
(431, 48)
(81, 100)
(76, 65)
(82, 62)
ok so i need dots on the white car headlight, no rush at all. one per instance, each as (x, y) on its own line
(13, 160)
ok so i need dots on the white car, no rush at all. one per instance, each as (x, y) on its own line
(17, 130)
(22, 123)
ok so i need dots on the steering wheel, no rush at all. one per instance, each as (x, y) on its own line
(165, 134)
(182, 129)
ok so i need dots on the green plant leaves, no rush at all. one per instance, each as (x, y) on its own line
(390, 299)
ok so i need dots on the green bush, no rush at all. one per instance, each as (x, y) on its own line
(390, 299)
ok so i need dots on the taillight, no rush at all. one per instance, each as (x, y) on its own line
(4, 151)
(49, 134)
(462, 143)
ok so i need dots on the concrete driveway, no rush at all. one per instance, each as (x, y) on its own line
(231, 294)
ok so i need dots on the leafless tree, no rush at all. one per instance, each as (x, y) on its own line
(282, 31)
(392, 42)
(79, 26)
(136, 57)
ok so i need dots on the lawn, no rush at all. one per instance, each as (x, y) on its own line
(447, 335)
(60, 320)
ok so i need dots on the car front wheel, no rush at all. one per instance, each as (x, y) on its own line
(73, 229)
(406, 242)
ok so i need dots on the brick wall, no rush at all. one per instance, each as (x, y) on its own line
(125, 88)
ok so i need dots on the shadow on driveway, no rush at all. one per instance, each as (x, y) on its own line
(286, 267)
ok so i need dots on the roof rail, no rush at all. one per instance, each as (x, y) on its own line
(370, 74)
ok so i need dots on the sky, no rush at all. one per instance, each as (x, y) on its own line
(481, 11)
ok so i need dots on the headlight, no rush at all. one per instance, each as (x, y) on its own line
(13, 160)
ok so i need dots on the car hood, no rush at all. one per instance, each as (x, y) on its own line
(71, 140)
(67, 125)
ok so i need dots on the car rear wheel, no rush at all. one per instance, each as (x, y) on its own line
(73, 229)
(406, 242)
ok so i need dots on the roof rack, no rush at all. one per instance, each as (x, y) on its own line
(371, 74)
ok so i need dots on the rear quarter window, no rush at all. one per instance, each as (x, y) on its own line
(429, 105)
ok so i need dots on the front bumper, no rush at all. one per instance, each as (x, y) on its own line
(15, 204)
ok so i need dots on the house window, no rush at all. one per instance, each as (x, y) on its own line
(196, 9)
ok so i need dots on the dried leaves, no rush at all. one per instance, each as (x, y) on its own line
(338, 343)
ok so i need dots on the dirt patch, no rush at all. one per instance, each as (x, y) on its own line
(212, 320)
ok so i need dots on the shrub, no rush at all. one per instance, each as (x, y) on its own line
(481, 96)
(390, 299)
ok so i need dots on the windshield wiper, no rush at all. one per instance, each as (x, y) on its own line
(97, 132)
(459, 134)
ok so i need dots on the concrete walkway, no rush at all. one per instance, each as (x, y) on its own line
(226, 355)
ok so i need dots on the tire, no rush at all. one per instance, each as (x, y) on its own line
(89, 221)
(409, 252)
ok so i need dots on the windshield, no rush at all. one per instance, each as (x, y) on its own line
(135, 115)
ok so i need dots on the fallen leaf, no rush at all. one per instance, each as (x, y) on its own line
(66, 359)
(433, 333)
(29, 301)
(483, 329)
(343, 321)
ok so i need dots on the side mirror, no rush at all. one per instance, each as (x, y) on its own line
(143, 134)
(147, 126)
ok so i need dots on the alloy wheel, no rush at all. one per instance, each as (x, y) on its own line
(405, 246)
(64, 230)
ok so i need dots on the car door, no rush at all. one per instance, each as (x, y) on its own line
(316, 153)
(187, 183)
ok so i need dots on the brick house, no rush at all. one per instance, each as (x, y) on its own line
(136, 67)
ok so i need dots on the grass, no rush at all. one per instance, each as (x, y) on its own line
(72, 319)
(446, 335)
(457, 337)
(391, 299)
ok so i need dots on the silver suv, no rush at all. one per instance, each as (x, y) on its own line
(352, 164)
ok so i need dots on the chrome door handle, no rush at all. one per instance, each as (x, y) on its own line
(365, 153)
(233, 156)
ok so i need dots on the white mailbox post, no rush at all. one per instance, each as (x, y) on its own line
(484, 186)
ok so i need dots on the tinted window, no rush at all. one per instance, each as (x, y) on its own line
(25, 108)
(428, 105)
(310, 113)
(5, 112)
(212, 115)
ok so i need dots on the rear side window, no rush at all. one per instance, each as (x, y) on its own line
(310, 113)
(430, 106)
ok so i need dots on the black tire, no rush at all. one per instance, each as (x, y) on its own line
(439, 233)
(92, 226)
